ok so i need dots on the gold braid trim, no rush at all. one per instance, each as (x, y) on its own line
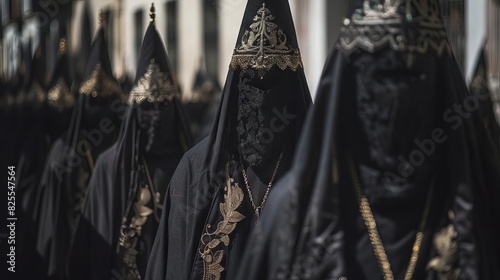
(215, 242)
(379, 25)
(60, 96)
(153, 86)
(100, 83)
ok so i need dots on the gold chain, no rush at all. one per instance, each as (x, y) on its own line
(256, 208)
(376, 241)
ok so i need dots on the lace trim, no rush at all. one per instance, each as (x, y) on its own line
(153, 86)
(378, 25)
(100, 83)
(215, 242)
(60, 96)
(264, 45)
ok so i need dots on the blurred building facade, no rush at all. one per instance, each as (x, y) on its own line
(202, 33)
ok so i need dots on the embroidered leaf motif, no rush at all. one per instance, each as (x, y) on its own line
(225, 240)
(227, 228)
(233, 198)
(446, 246)
(212, 244)
(236, 217)
(218, 256)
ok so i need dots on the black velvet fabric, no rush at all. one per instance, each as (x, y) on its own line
(93, 128)
(198, 188)
(157, 132)
(312, 228)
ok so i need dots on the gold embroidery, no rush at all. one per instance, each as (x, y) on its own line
(265, 46)
(60, 96)
(100, 83)
(378, 25)
(62, 46)
(130, 234)
(212, 258)
(154, 86)
(446, 246)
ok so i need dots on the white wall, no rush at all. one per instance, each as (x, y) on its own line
(475, 32)
(309, 17)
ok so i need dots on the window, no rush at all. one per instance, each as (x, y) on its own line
(172, 33)
(211, 36)
(139, 28)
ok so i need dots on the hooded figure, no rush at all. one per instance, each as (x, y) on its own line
(35, 144)
(85, 40)
(479, 86)
(123, 207)
(205, 91)
(93, 128)
(221, 185)
(60, 98)
(395, 176)
(12, 109)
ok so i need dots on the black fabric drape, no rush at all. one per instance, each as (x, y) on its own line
(303, 234)
(114, 186)
(93, 128)
(200, 192)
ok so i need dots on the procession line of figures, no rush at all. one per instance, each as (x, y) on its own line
(394, 173)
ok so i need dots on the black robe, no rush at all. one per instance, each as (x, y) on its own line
(313, 229)
(103, 248)
(207, 217)
(93, 128)
(34, 150)
(96, 253)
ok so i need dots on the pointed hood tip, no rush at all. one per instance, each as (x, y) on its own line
(99, 80)
(154, 81)
(152, 50)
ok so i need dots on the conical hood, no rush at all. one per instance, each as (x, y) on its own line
(98, 79)
(266, 71)
(402, 25)
(154, 81)
(59, 94)
(34, 89)
(85, 41)
(267, 38)
(204, 86)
